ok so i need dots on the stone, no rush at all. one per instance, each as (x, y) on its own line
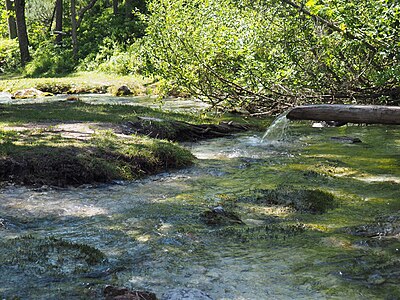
(185, 294)
(124, 90)
(29, 93)
(219, 216)
(116, 293)
(346, 139)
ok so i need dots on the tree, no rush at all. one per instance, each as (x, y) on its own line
(12, 26)
(76, 20)
(59, 21)
(270, 54)
(22, 31)
(128, 9)
(115, 7)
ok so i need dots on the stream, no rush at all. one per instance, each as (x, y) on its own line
(149, 234)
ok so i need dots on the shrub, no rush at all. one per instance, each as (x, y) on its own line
(50, 60)
(9, 55)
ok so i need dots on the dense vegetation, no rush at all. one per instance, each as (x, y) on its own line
(261, 55)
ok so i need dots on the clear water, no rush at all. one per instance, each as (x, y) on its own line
(170, 103)
(153, 239)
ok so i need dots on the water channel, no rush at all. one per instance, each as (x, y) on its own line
(148, 234)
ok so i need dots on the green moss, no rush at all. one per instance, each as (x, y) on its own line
(50, 256)
(304, 200)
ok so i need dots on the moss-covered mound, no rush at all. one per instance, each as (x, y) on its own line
(303, 200)
(43, 158)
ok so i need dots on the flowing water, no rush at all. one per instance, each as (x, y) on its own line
(148, 234)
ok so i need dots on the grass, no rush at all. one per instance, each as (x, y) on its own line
(36, 158)
(80, 82)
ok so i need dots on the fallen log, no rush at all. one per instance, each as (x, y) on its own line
(368, 114)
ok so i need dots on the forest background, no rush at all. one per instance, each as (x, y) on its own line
(262, 55)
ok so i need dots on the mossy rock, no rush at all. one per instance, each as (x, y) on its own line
(50, 256)
(302, 200)
(220, 217)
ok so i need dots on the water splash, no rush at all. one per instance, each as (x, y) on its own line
(278, 129)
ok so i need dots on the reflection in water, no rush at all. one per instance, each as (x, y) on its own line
(149, 230)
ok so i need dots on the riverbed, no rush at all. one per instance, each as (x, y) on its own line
(149, 234)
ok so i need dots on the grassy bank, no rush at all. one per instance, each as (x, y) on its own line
(35, 157)
(81, 82)
(71, 143)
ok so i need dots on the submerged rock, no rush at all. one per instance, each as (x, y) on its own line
(346, 139)
(185, 294)
(383, 226)
(219, 216)
(116, 293)
(303, 200)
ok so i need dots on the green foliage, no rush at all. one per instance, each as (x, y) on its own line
(116, 58)
(9, 56)
(253, 53)
(50, 60)
(3, 20)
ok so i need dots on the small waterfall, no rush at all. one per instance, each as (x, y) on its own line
(278, 129)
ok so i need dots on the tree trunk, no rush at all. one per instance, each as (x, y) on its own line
(74, 29)
(369, 114)
(128, 9)
(115, 7)
(12, 26)
(21, 31)
(59, 19)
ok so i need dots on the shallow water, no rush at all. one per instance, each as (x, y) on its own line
(170, 103)
(152, 237)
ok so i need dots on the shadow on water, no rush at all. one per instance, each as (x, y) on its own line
(151, 234)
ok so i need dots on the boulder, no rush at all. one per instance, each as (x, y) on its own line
(29, 93)
(123, 90)
(116, 293)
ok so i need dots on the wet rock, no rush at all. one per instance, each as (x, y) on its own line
(29, 93)
(116, 293)
(303, 200)
(375, 279)
(346, 139)
(328, 124)
(123, 90)
(383, 226)
(185, 294)
(72, 98)
(219, 216)
(2, 223)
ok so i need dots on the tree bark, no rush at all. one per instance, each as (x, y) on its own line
(21, 31)
(76, 20)
(59, 18)
(115, 7)
(12, 26)
(369, 114)
(128, 9)
(74, 29)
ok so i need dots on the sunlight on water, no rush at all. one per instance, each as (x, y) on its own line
(278, 129)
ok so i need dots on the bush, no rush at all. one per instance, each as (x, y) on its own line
(9, 56)
(50, 60)
(115, 58)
